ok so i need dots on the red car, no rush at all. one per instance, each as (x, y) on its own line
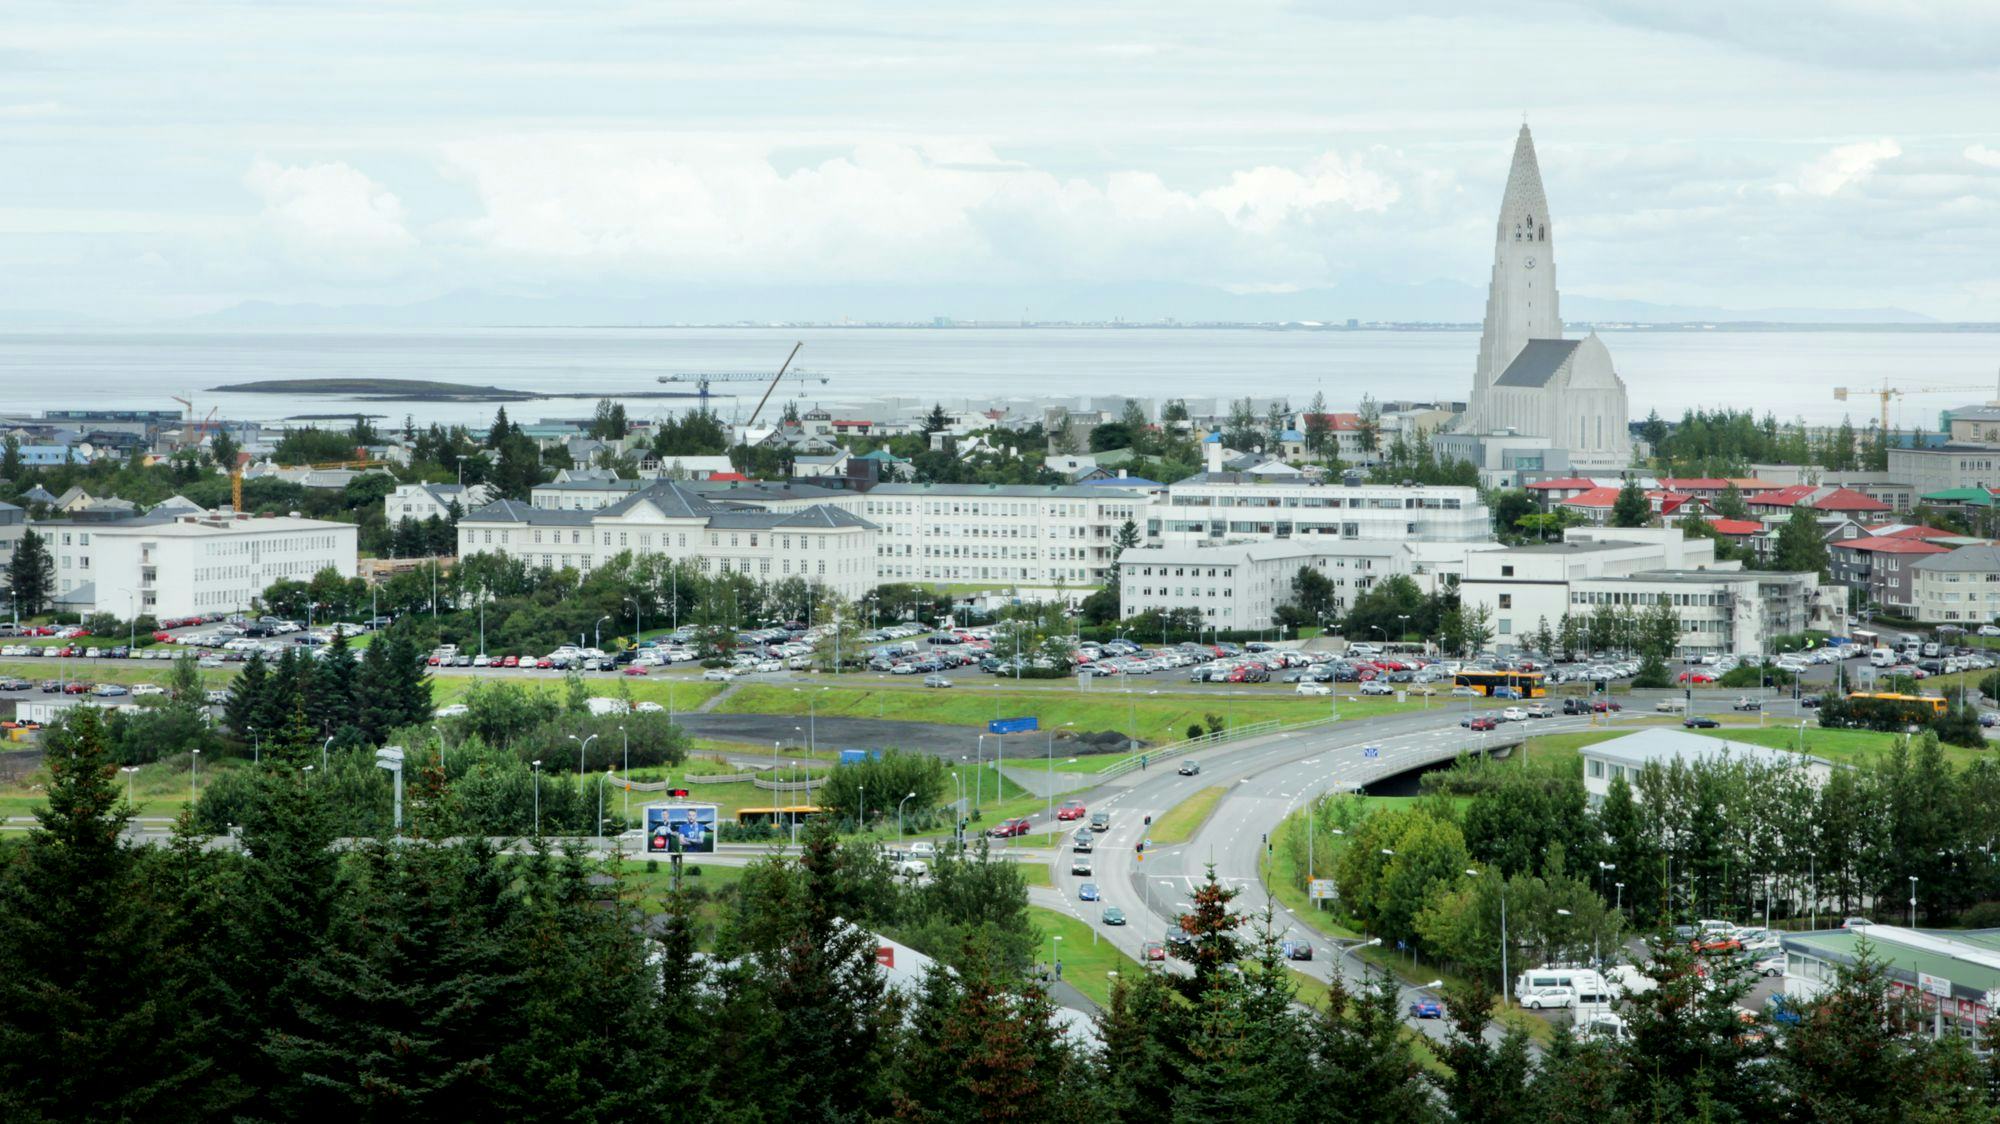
(77, 688)
(1483, 723)
(544, 662)
(1696, 677)
(1009, 829)
(1153, 950)
(1071, 810)
(1605, 706)
(510, 661)
(634, 669)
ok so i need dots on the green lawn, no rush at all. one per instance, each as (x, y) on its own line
(1847, 747)
(679, 694)
(1153, 714)
(1180, 822)
(1088, 962)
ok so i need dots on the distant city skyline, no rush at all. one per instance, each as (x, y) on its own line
(1192, 161)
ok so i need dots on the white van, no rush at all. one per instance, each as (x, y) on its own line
(1882, 657)
(1672, 706)
(1546, 982)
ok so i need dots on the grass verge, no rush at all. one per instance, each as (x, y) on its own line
(1181, 821)
(1088, 960)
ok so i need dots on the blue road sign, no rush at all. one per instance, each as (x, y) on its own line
(1012, 725)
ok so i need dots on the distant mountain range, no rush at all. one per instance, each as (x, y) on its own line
(1141, 303)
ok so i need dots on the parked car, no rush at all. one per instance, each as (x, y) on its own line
(1307, 687)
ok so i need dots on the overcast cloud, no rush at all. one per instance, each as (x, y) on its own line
(170, 159)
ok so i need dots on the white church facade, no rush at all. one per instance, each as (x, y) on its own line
(1529, 382)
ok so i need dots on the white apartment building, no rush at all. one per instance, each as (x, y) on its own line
(1241, 585)
(1720, 610)
(1961, 587)
(1524, 585)
(1030, 536)
(1216, 506)
(821, 542)
(418, 502)
(193, 563)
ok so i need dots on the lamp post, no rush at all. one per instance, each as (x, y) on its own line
(812, 716)
(128, 770)
(582, 744)
(390, 757)
(1341, 949)
(537, 765)
(1618, 906)
(1502, 883)
(1055, 939)
(601, 778)
(256, 747)
(899, 813)
(958, 809)
(597, 633)
(638, 619)
(861, 824)
(627, 778)
(323, 747)
(1913, 901)
(194, 776)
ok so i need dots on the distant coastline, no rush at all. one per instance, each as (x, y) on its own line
(420, 390)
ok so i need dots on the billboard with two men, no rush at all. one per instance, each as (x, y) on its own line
(680, 829)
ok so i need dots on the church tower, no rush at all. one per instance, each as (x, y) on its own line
(1521, 299)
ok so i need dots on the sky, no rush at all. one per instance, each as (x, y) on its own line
(174, 157)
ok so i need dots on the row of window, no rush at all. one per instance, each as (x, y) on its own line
(1371, 503)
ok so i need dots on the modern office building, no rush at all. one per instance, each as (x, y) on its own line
(1625, 758)
(1035, 537)
(1218, 506)
(188, 564)
(1952, 977)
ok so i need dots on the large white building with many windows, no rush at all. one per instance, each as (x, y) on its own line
(199, 563)
(1218, 506)
(820, 543)
(1241, 585)
(1033, 537)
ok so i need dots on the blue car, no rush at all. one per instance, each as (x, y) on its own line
(1087, 891)
(1426, 1009)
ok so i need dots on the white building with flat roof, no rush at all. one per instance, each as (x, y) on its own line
(1241, 585)
(1215, 506)
(1625, 758)
(191, 564)
(1029, 536)
(1524, 585)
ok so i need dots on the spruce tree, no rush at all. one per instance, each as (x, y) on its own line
(1366, 1070)
(1631, 509)
(333, 683)
(32, 574)
(89, 1029)
(246, 695)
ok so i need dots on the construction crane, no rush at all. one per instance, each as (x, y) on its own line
(1887, 392)
(701, 381)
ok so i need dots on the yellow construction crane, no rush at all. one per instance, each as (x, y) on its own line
(1841, 393)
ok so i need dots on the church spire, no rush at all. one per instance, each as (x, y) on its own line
(1524, 199)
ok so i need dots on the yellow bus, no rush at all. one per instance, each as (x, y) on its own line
(1525, 684)
(1936, 703)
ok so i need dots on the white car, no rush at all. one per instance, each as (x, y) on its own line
(1513, 714)
(1308, 687)
(717, 675)
(923, 849)
(1771, 965)
(1989, 630)
(650, 708)
(148, 689)
(1377, 687)
(482, 660)
(1545, 997)
(455, 710)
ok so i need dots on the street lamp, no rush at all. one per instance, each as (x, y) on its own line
(1502, 883)
(861, 824)
(812, 716)
(128, 770)
(627, 778)
(194, 775)
(899, 813)
(582, 744)
(537, 765)
(1913, 901)
(1618, 906)
(1055, 939)
(597, 633)
(323, 747)
(390, 757)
